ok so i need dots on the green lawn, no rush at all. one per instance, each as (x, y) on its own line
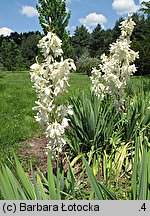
(16, 115)
(17, 98)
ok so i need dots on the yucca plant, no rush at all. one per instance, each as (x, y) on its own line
(117, 164)
(141, 169)
(140, 174)
(137, 113)
(100, 192)
(20, 186)
(16, 184)
(92, 124)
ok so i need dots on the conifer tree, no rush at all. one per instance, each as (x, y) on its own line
(146, 7)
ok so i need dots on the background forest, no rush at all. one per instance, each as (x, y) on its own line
(19, 50)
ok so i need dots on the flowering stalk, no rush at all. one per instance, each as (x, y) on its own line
(116, 69)
(50, 80)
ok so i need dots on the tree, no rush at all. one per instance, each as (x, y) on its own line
(8, 53)
(29, 49)
(140, 30)
(54, 14)
(18, 51)
(108, 39)
(143, 63)
(97, 41)
(116, 30)
(80, 40)
(16, 37)
(146, 8)
(141, 43)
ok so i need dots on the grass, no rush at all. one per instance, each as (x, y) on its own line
(138, 85)
(78, 83)
(17, 98)
(16, 116)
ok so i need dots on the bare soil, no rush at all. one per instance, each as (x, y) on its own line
(34, 150)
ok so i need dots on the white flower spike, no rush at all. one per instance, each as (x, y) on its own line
(116, 69)
(50, 80)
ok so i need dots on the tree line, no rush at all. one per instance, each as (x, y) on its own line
(19, 50)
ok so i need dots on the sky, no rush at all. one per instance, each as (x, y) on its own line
(22, 16)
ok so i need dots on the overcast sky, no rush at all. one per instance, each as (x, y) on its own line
(22, 16)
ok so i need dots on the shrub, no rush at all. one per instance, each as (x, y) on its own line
(85, 64)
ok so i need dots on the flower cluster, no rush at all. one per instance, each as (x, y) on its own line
(50, 80)
(116, 69)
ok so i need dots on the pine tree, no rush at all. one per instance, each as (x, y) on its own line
(80, 40)
(97, 41)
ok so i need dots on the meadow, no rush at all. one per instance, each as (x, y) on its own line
(105, 138)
